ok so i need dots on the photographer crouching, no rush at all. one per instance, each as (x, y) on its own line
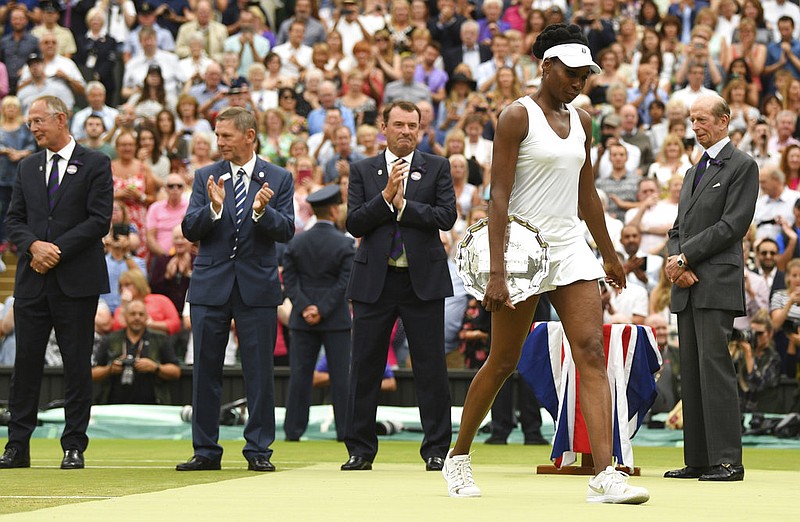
(135, 364)
(758, 365)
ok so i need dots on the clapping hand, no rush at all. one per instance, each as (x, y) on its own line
(216, 193)
(263, 196)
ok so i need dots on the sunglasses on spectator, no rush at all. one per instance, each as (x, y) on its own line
(174, 185)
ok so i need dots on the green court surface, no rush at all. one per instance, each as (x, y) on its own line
(135, 480)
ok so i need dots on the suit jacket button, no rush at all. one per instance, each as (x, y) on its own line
(49, 218)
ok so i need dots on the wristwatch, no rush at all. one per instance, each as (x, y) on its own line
(680, 262)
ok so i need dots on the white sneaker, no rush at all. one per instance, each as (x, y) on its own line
(457, 471)
(611, 487)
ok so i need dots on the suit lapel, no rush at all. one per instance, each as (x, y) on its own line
(73, 164)
(711, 174)
(416, 174)
(380, 171)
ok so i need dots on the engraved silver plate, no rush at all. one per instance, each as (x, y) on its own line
(527, 257)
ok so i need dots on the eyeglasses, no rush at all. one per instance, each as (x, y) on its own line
(174, 185)
(768, 253)
(38, 121)
(287, 97)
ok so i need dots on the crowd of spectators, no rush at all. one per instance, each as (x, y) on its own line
(146, 79)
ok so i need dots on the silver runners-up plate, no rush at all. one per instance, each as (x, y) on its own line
(527, 257)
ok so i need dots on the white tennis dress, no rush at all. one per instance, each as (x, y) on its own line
(545, 192)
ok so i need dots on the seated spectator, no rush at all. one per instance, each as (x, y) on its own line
(96, 96)
(776, 200)
(151, 155)
(758, 365)
(345, 155)
(164, 215)
(467, 195)
(790, 165)
(171, 272)
(642, 269)
(200, 155)
(406, 88)
(785, 123)
(275, 137)
(119, 258)
(611, 132)
(321, 144)
(134, 364)
(38, 83)
(163, 317)
(364, 107)
(671, 161)
(785, 314)
(140, 66)
(152, 97)
(622, 184)
(655, 215)
(249, 46)
(742, 113)
(367, 141)
(93, 130)
(8, 345)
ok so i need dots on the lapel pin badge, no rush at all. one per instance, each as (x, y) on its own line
(260, 175)
(225, 177)
(416, 176)
(72, 169)
(380, 172)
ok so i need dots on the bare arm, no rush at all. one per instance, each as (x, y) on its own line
(511, 130)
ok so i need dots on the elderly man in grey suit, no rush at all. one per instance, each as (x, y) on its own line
(705, 264)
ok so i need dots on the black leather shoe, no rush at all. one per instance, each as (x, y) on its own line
(434, 464)
(73, 459)
(724, 473)
(689, 472)
(495, 441)
(355, 463)
(14, 458)
(260, 463)
(536, 440)
(199, 463)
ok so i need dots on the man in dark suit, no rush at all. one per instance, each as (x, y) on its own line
(706, 265)
(316, 285)
(469, 52)
(240, 207)
(398, 201)
(60, 210)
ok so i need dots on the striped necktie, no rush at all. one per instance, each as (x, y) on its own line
(240, 194)
(52, 181)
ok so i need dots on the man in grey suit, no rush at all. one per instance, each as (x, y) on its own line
(705, 264)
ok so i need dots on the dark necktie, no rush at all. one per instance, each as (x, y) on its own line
(701, 169)
(397, 240)
(240, 194)
(52, 181)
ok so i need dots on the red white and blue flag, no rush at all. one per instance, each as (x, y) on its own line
(632, 359)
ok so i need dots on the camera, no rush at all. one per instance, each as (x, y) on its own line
(120, 229)
(688, 142)
(347, 12)
(127, 371)
(582, 20)
(743, 336)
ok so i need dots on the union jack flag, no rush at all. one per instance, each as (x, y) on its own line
(632, 359)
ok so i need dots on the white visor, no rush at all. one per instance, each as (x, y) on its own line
(573, 55)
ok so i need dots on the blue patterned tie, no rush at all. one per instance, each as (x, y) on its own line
(52, 181)
(240, 194)
(701, 169)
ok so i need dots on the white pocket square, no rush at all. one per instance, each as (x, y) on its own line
(717, 185)
(225, 177)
